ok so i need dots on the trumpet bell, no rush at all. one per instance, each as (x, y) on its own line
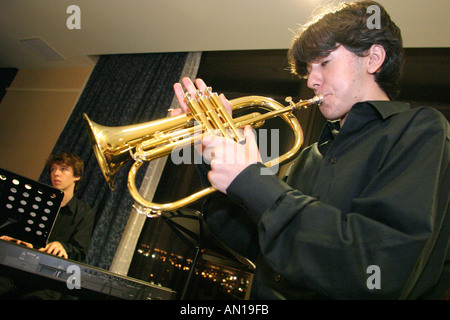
(104, 151)
(114, 146)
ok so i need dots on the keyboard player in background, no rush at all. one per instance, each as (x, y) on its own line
(71, 233)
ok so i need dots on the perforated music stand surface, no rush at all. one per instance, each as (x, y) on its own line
(28, 208)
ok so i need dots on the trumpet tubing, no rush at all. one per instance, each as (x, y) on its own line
(114, 146)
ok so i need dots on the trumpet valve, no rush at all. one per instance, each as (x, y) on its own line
(291, 103)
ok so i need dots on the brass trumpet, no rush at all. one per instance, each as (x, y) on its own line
(114, 146)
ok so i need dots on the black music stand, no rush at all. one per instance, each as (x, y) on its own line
(199, 239)
(28, 208)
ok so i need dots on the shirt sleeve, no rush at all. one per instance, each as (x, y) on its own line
(394, 224)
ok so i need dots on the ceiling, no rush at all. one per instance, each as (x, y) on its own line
(143, 26)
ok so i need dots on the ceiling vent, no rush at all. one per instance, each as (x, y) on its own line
(42, 48)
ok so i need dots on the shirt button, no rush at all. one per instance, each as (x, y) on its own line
(277, 278)
(333, 160)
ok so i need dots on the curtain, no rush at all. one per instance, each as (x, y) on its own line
(122, 90)
(126, 248)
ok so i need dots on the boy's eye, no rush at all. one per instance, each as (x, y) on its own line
(324, 63)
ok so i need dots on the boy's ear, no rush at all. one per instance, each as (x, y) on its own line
(376, 55)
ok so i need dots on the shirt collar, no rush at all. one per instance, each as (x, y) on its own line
(71, 205)
(387, 108)
(329, 131)
(360, 114)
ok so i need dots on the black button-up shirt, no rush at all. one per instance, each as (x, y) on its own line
(374, 193)
(73, 228)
